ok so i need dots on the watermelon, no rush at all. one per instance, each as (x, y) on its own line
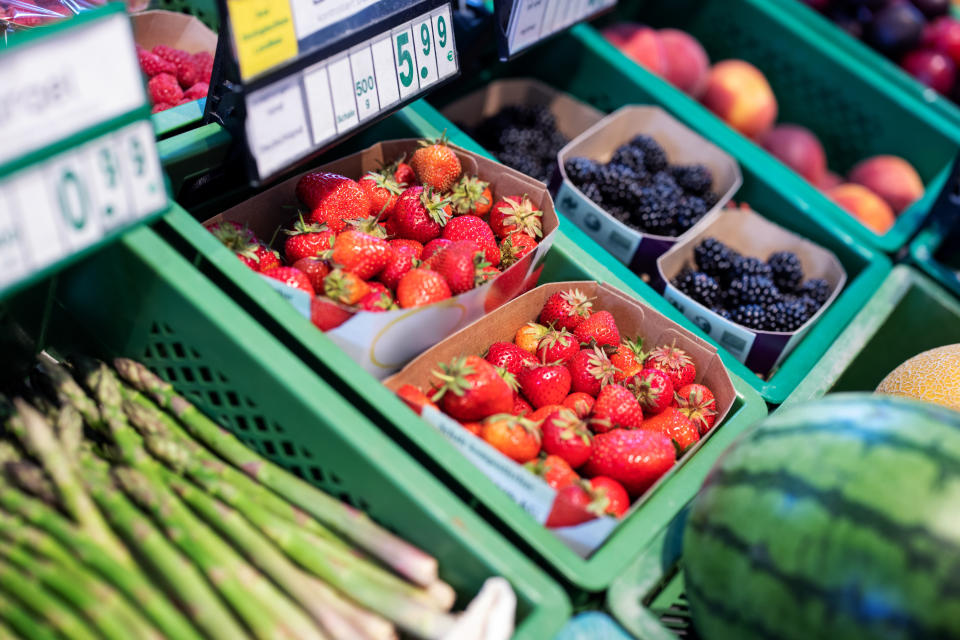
(836, 519)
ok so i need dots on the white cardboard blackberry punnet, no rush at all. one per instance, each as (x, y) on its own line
(752, 235)
(634, 248)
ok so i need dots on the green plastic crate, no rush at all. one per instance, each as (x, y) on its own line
(929, 255)
(140, 299)
(908, 314)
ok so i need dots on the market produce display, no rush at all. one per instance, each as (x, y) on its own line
(833, 519)
(128, 513)
(931, 376)
(175, 77)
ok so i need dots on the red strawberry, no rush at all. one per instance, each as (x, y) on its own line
(557, 346)
(674, 362)
(382, 192)
(436, 164)
(555, 471)
(403, 174)
(541, 414)
(628, 358)
(580, 403)
(370, 225)
(233, 235)
(489, 273)
(615, 408)
(411, 245)
(516, 213)
(566, 436)
(566, 309)
(676, 426)
(316, 270)
(636, 458)
(528, 336)
(377, 301)
(175, 56)
(509, 356)
(419, 287)
(164, 87)
(613, 498)
(420, 214)
(571, 507)
(326, 314)
(461, 265)
(414, 397)
(471, 196)
(600, 328)
(306, 240)
(653, 390)
(513, 436)
(434, 247)
(471, 389)
(401, 259)
(152, 64)
(332, 198)
(196, 91)
(250, 262)
(473, 427)
(520, 406)
(345, 287)
(360, 253)
(188, 73)
(697, 403)
(379, 287)
(475, 229)
(590, 370)
(265, 257)
(544, 384)
(514, 247)
(291, 277)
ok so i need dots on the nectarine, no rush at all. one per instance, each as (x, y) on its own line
(639, 43)
(890, 177)
(798, 148)
(739, 93)
(864, 205)
(687, 65)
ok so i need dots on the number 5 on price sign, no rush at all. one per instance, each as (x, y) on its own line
(405, 71)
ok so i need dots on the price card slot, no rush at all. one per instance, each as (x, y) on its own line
(523, 23)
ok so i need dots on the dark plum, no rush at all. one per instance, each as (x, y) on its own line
(896, 29)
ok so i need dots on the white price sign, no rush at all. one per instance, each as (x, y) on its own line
(341, 93)
(534, 20)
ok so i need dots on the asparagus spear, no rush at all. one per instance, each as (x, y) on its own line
(354, 525)
(32, 479)
(23, 623)
(53, 536)
(44, 604)
(68, 391)
(38, 439)
(100, 604)
(202, 604)
(6, 633)
(70, 429)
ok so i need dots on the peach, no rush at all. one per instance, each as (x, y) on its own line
(739, 93)
(890, 177)
(798, 148)
(639, 43)
(687, 64)
(864, 205)
(828, 181)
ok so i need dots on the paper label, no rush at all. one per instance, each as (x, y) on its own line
(276, 125)
(534, 20)
(263, 34)
(311, 16)
(729, 335)
(614, 236)
(299, 299)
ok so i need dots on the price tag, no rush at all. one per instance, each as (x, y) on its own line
(80, 165)
(530, 21)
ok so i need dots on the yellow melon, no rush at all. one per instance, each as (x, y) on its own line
(933, 376)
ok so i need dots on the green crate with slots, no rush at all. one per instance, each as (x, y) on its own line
(138, 298)
(929, 253)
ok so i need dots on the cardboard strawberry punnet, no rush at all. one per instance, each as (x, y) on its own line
(383, 342)
(527, 489)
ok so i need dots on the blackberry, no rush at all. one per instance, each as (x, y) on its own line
(710, 199)
(751, 289)
(654, 157)
(722, 312)
(752, 316)
(750, 266)
(786, 269)
(816, 289)
(524, 163)
(650, 216)
(690, 210)
(524, 137)
(698, 286)
(592, 192)
(713, 257)
(613, 184)
(692, 178)
(618, 212)
(788, 315)
(581, 170)
(631, 157)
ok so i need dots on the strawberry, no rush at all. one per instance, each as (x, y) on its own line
(414, 397)
(306, 239)
(461, 265)
(418, 287)
(315, 269)
(382, 192)
(489, 273)
(544, 384)
(197, 91)
(377, 301)
(152, 64)
(616, 408)
(591, 370)
(555, 471)
(345, 287)
(514, 247)
(473, 427)
(520, 406)
(436, 164)
(359, 253)
(401, 259)
(541, 414)
(513, 436)
(599, 329)
(580, 403)
(291, 277)
(572, 506)
(379, 287)
(403, 174)
(653, 390)
(420, 214)
(332, 198)
(672, 423)
(475, 229)
(176, 56)
(509, 356)
(674, 362)
(434, 248)
(471, 197)
(636, 458)
(557, 346)
(566, 309)
(566, 436)
(628, 358)
(471, 389)
(697, 403)
(412, 245)
(370, 225)
(528, 336)
(233, 235)
(611, 495)
(262, 255)
(325, 314)
(516, 213)
(164, 87)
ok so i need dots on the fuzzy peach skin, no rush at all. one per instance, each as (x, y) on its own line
(687, 64)
(864, 205)
(739, 94)
(890, 177)
(798, 148)
(639, 43)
